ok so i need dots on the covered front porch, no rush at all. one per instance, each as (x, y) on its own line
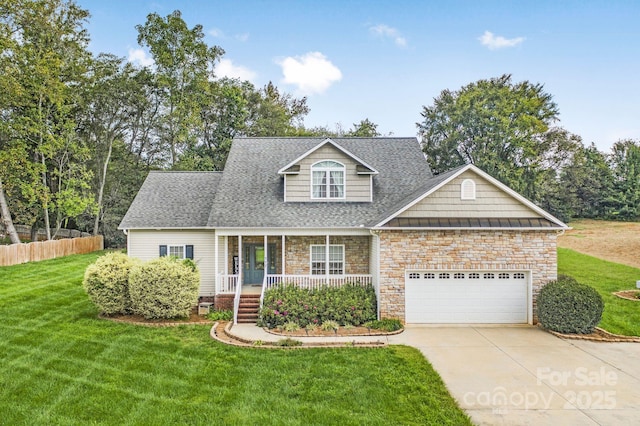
(251, 264)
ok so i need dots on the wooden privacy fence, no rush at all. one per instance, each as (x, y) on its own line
(41, 250)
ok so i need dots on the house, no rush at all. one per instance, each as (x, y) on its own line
(459, 247)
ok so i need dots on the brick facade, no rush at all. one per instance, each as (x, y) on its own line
(298, 253)
(533, 251)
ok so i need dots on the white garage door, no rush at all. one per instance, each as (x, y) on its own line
(458, 297)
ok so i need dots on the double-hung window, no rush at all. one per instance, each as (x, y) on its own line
(327, 180)
(176, 251)
(333, 265)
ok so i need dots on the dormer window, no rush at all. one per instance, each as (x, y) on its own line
(327, 180)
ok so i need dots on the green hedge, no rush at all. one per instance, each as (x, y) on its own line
(163, 288)
(349, 304)
(567, 306)
(107, 283)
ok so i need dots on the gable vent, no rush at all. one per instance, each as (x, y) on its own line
(468, 190)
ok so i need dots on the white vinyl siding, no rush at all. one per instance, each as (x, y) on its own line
(357, 187)
(489, 202)
(144, 244)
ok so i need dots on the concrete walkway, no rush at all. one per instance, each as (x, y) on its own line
(520, 375)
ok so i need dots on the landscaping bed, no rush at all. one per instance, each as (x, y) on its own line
(341, 331)
(633, 295)
(598, 335)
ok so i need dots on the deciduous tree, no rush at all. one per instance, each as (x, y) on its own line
(498, 125)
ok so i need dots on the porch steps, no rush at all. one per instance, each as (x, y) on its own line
(248, 309)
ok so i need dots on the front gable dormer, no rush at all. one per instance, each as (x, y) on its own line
(328, 173)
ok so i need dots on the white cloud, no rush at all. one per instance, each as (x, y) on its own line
(389, 32)
(242, 37)
(140, 57)
(226, 68)
(494, 42)
(216, 32)
(312, 72)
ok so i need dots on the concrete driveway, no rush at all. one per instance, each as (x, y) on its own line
(525, 376)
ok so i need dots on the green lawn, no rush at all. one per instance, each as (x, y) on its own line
(62, 365)
(620, 316)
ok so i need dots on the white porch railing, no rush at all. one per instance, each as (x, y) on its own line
(227, 284)
(316, 281)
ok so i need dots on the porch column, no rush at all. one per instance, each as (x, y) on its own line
(266, 259)
(217, 262)
(240, 264)
(226, 255)
(283, 257)
(326, 260)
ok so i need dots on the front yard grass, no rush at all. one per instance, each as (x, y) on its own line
(620, 316)
(60, 364)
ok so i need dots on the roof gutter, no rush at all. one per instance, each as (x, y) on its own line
(459, 228)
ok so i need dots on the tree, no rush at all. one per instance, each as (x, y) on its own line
(364, 128)
(110, 103)
(581, 186)
(224, 115)
(183, 69)
(44, 61)
(498, 125)
(272, 113)
(624, 200)
(6, 218)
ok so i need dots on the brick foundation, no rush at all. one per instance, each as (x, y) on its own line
(223, 302)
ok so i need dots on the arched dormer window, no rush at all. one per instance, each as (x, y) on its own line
(468, 190)
(327, 180)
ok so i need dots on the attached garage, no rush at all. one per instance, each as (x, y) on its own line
(467, 297)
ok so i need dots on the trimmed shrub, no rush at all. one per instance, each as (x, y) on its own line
(163, 288)
(107, 283)
(351, 303)
(567, 306)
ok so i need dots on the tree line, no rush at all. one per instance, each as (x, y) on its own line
(80, 131)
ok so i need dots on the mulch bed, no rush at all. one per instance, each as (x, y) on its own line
(598, 335)
(354, 331)
(628, 294)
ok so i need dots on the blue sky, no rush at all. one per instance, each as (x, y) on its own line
(386, 60)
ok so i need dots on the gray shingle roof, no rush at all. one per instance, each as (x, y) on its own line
(250, 193)
(173, 200)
